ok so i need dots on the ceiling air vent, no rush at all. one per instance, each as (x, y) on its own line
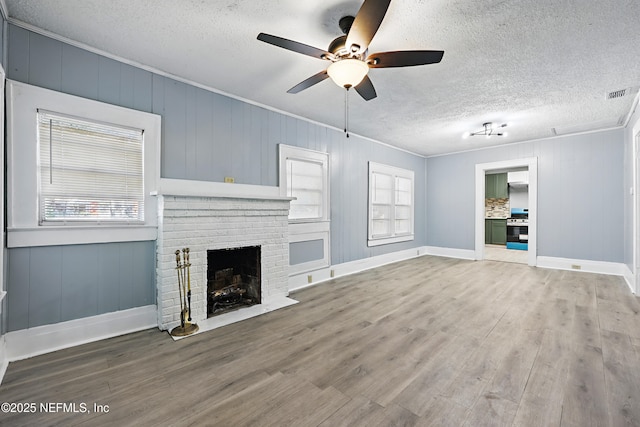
(621, 92)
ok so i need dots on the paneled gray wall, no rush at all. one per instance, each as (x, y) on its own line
(57, 283)
(207, 136)
(301, 252)
(580, 195)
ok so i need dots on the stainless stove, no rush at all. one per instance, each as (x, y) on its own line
(518, 221)
(518, 229)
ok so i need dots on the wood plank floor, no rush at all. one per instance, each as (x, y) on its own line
(425, 342)
(501, 253)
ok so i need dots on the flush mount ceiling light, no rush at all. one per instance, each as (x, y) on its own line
(488, 130)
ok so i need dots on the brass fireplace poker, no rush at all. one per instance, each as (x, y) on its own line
(183, 268)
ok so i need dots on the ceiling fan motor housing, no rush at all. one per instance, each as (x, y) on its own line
(339, 45)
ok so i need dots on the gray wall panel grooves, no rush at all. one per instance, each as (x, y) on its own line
(45, 285)
(57, 283)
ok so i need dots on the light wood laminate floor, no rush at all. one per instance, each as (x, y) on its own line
(425, 342)
(501, 253)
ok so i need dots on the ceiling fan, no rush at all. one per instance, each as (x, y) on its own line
(348, 54)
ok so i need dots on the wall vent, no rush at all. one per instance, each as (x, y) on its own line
(621, 92)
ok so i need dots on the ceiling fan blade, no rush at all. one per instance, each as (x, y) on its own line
(365, 24)
(404, 58)
(316, 78)
(295, 46)
(365, 89)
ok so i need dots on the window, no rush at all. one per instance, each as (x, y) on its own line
(390, 204)
(78, 170)
(304, 175)
(89, 171)
(305, 183)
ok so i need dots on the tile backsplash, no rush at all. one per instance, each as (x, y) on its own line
(496, 208)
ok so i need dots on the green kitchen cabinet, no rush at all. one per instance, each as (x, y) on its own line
(502, 187)
(489, 186)
(499, 231)
(487, 231)
(496, 186)
(495, 231)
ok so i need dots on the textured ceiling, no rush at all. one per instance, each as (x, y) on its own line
(536, 65)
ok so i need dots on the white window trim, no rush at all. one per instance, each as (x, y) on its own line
(304, 154)
(395, 172)
(304, 267)
(301, 230)
(23, 227)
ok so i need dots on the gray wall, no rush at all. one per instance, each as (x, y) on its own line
(580, 195)
(301, 252)
(58, 283)
(205, 136)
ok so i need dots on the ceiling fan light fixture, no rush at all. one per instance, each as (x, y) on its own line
(348, 72)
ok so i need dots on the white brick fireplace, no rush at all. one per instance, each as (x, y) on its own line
(208, 216)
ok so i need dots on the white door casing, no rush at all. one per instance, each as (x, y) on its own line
(481, 169)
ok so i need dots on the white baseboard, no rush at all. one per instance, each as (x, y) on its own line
(44, 339)
(630, 278)
(312, 278)
(468, 254)
(587, 266)
(301, 281)
(4, 361)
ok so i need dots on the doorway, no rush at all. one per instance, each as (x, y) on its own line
(530, 164)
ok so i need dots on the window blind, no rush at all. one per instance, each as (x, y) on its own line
(89, 171)
(305, 183)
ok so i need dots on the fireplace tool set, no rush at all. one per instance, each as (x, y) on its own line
(183, 267)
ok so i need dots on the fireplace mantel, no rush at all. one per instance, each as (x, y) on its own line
(190, 188)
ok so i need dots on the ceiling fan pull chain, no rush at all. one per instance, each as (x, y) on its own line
(346, 111)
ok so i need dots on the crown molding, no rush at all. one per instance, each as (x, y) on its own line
(3, 10)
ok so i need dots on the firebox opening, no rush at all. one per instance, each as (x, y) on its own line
(233, 279)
